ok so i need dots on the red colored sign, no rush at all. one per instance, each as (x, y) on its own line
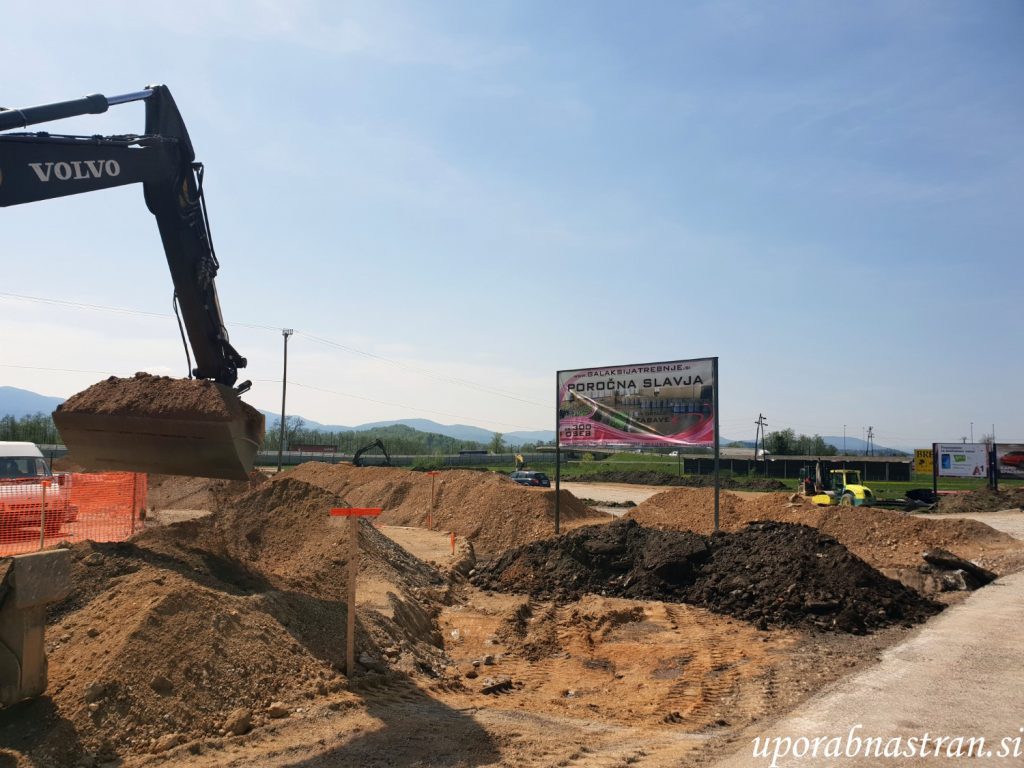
(355, 511)
(433, 472)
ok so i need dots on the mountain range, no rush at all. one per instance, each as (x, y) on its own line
(22, 402)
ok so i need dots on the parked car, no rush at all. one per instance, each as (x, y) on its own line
(1013, 459)
(536, 479)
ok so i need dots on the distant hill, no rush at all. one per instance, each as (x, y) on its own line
(457, 431)
(22, 402)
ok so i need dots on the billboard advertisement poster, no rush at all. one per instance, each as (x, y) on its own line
(923, 461)
(651, 404)
(1010, 460)
(961, 459)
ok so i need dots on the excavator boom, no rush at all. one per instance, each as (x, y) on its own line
(41, 166)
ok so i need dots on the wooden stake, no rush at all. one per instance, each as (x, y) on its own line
(353, 514)
(353, 574)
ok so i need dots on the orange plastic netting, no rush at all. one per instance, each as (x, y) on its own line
(69, 507)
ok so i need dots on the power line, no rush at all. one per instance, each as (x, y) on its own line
(58, 370)
(318, 339)
(397, 405)
(423, 371)
(303, 386)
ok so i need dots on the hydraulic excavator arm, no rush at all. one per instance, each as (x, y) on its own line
(40, 166)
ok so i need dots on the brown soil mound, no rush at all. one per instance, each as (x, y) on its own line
(985, 500)
(663, 477)
(162, 397)
(172, 631)
(769, 573)
(488, 508)
(180, 492)
(67, 464)
(883, 538)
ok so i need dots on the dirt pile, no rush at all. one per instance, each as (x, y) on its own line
(164, 636)
(181, 492)
(487, 508)
(768, 573)
(654, 477)
(883, 538)
(162, 397)
(984, 500)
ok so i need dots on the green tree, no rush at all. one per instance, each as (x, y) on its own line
(497, 444)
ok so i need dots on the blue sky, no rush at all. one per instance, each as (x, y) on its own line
(466, 197)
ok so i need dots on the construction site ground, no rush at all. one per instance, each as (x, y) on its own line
(459, 676)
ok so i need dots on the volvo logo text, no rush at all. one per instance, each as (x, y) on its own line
(76, 169)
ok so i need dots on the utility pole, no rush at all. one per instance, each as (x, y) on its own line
(870, 449)
(972, 431)
(844, 439)
(286, 332)
(761, 424)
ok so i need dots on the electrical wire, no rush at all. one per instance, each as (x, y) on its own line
(396, 405)
(317, 339)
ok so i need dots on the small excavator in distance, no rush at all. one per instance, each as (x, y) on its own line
(357, 457)
(41, 166)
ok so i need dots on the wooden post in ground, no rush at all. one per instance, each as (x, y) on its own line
(433, 473)
(353, 514)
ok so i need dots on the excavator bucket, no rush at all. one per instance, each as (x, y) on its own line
(167, 426)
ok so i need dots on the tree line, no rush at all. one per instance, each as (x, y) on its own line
(399, 439)
(31, 428)
(787, 443)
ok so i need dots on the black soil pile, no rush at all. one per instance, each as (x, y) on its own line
(769, 573)
(654, 477)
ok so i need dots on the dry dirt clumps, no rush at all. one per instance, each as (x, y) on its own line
(487, 508)
(181, 492)
(883, 538)
(983, 500)
(769, 573)
(165, 636)
(162, 397)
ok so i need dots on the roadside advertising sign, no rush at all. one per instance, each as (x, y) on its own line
(650, 404)
(923, 461)
(1010, 460)
(961, 459)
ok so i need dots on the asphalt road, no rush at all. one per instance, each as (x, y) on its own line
(961, 675)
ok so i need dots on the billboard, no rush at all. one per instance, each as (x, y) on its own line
(1010, 460)
(961, 459)
(923, 460)
(651, 404)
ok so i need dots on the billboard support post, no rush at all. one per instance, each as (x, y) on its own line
(714, 373)
(558, 459)
(935, 470)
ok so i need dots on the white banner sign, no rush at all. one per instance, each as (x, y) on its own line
(961, 459)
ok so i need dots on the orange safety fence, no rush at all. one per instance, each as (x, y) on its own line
(72, 507)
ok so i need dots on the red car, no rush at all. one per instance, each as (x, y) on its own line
(1014, 459)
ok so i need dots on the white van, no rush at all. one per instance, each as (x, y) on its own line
(24, 476)
(22, 460)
